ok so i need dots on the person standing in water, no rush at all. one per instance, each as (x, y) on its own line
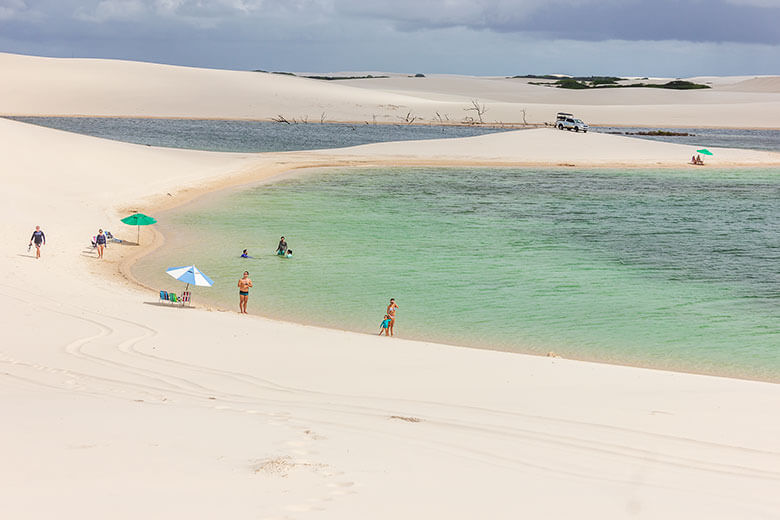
(243, 292)
(39, 239)
(100, 242)
(281, 249)
(391, 308)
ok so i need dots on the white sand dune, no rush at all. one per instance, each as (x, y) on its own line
(116, 407)
(760, 84)
(55, 86)
(550, 146)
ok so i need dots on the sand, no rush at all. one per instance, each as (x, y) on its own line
(56, 86)
(118, 407)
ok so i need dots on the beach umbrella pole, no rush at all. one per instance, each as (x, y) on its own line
(138, 235)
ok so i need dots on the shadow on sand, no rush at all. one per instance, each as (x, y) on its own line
(169, 305)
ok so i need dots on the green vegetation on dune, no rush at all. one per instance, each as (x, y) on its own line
(324, 78)
(589, 82)
(336, 78)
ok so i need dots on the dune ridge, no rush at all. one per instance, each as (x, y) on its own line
(113, 88)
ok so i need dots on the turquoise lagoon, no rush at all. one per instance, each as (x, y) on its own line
(667, 269)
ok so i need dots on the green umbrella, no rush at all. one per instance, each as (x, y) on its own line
(139, 219)
(704, 151)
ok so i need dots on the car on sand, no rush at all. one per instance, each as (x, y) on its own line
(566, 121)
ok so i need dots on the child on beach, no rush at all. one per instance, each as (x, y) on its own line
(384, 326)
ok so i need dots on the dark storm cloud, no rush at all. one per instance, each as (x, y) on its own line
(603, 36)
(590, 20)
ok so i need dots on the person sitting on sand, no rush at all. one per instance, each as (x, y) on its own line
(384, 326)
(281, 249)
(698, 160)
(693, 159)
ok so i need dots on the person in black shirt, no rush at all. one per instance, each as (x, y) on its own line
(100, 242)
(39, 239)
(281, 250)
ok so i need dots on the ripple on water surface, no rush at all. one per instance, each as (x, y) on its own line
(670, 269)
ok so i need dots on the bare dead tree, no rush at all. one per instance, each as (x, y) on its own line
(322, 118)
(442, 119)
(525, 123)
(479, 109)
(280, 119)
(409, 118)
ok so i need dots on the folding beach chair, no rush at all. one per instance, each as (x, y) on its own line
(172, 298)
(185, 298)
(163, 296)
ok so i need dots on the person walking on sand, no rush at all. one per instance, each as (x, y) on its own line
(391, 308)
(243, 292)
(39, 239)
(100, 242)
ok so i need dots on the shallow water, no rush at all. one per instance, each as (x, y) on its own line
(715, 137)
(668, 269)
(247, 136)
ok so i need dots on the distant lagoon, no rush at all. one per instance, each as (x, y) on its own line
(263, 136)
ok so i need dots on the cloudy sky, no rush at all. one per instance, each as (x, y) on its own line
(490, 37)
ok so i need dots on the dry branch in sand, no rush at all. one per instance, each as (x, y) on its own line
(479, 109)
(409, 118)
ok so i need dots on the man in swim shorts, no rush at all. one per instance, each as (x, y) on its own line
(243, 292)
(40, 239)
(391, 308)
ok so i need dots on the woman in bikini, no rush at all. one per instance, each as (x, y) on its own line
(391, 308)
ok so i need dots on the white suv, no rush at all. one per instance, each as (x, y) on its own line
(566, 121)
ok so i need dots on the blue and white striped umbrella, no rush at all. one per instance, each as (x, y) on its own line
(190, 275)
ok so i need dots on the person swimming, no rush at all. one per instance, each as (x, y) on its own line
(289, 253)
(245, 255)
